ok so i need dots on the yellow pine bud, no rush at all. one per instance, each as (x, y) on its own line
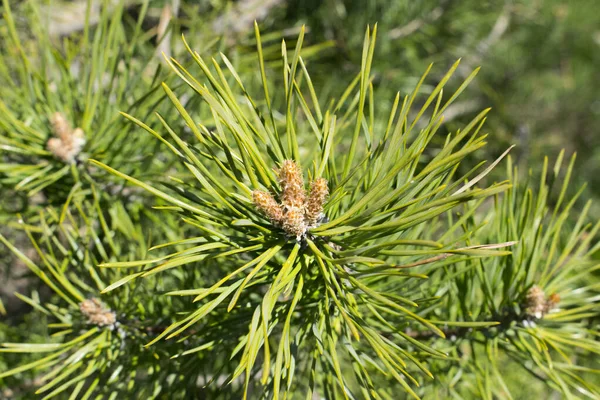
(293, 222)
(292, 185)
(316, 199)
(96, 313)
(60, 126)
(535, 302)
(268, 206)
(68, 143)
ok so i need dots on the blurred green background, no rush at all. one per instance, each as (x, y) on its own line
(539, 59)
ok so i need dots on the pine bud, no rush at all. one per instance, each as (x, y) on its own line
(60, 126)
(316, 199)
(535, 302)
(295, 213)
(293, 222)
(292, 185)
(67, 143)
(267, 204)
(96, 313)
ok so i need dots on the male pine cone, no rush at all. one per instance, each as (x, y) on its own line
(297, 212)
(68, 142)
(536, 303)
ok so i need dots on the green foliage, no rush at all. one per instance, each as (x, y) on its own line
(538, 60)
(87, 80)
(558, 343)
(183, 255)
(82, 354)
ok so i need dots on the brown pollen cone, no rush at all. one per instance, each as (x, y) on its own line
(296, 212)
(292, 185)
(267, 204)
(67, 143)
(316, 199)
(60, 126)
(97, 313)
(535, 302)
(293, 222)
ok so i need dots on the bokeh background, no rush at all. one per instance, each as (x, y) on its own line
(539, 59)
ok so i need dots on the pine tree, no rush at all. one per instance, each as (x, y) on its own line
(241, 237)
